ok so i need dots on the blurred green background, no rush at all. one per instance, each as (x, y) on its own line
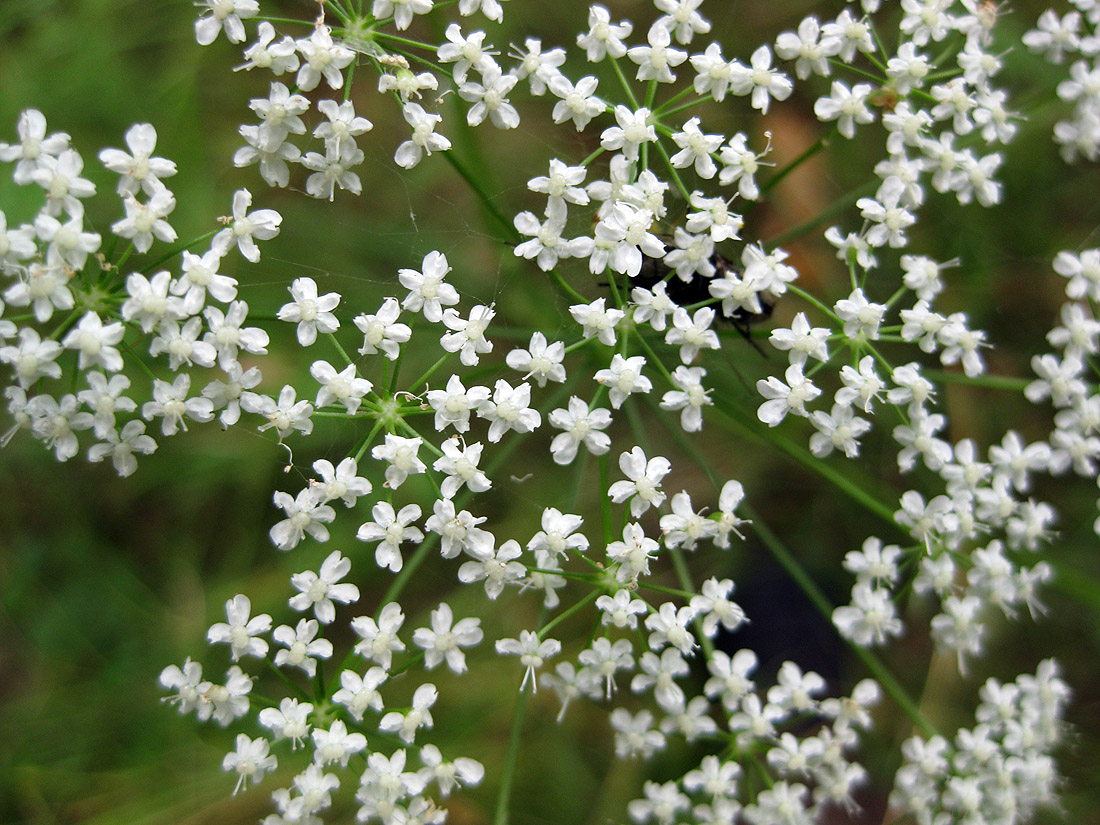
(103, 581)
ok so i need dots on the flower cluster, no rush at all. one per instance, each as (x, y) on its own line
(657, 220)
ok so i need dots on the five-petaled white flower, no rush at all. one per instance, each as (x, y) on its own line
(311, 312)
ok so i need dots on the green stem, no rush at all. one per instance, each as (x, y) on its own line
(816, 147)
(511, 759)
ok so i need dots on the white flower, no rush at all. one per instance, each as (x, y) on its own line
(690, 397)
(339, 387)
(285, 415)
(144, 221)
(712, 72)
(60, 178)
(889, 218)
(633, 130)
(683, 527)
(321, 57)
(682, 18)
(121, 446)
(495, 567)
(459, 463)
(227, 336)
(654, 61)
(623, 378)
(224, 14)
(250, 760)
(578, 102)
(490, 98)
(406, 725)
(582, 426)
(604, 37)
(452, 405)
(391, 529)
(240, 630)
(401, 10)
(68, 242)
(547, 244)
(622, 236)
(632, 554)
(467, 335)
(305, 515)
(139, 170)
(424, 139)
(312, 313)
(336, 744)
(244, 227)
(182, 345)
(340, 482)
(761, 81)
(784, 398)
(320, 590)
(96, 342)
(428, 293)
(696, 149)
(32, 358)
(839, 429)
(809, 50)
(509, 409)
(692, 333)
(342, 125)
(226, 395)
(303, 648)
(44, 289)
(597, 320)
(382, 331)
(170, 401)
(652, 307)
(846, 106)
(444, 640)
(288, 721)
(379, 640)
(406, 84)
(199, 276)
(621, 610)
(801, 340)
(532, 652)
(465, 52)
(33, 146)
(535, 65)
(279, 58)
(357, 693)
(401, 455)
(103, 397)
(332, 169)
(740, 165)
(541, 360)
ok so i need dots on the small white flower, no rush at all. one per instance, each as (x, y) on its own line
(391, 529)
(251, 760)
(401, 455)
(623, 378)
(428, 293)
(240, 630)
(245, 227)
(227, 15)
(445, 639)
(532, 653)
(320, 590)
(302, 647)
(509, 409)
(582, 426)
(321, 57)
(381, 331)
(312, 313)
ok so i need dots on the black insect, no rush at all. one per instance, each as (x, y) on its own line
(686, 293)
